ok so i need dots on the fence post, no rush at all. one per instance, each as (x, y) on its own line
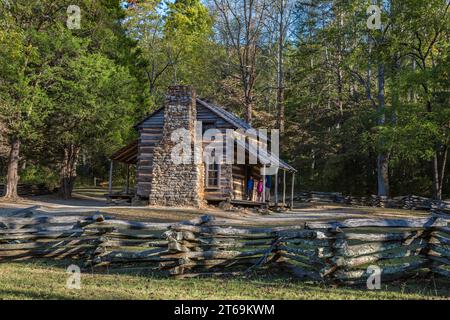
(436, 253)
(337, 244)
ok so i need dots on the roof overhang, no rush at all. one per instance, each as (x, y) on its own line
(127, 154)
(264, 157)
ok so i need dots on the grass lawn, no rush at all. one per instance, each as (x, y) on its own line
(47, 280)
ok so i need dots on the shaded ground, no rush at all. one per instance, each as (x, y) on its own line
(87, 200)
(47, 280)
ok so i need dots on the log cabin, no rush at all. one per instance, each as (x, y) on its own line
(162, 182)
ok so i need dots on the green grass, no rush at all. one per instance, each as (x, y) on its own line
(47, 280)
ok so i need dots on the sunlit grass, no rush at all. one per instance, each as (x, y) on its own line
(47, 280)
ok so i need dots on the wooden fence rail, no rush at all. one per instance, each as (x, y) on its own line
(338, 251)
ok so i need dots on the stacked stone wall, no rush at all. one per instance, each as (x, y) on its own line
(177, 184)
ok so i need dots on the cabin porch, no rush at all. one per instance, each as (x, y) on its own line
(232, 186)
(126, 158)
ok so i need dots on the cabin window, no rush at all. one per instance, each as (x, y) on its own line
(212, 175)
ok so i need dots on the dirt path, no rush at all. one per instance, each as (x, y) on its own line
(87, 204)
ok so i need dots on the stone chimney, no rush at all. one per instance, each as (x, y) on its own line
(177, 184)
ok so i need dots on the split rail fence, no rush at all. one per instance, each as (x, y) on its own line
(338, 251)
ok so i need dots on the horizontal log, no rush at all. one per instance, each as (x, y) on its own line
(302, 234)
(441, 271)
(48, 245)
(74, 233)
(185, 246)
(132, 243)
(254, 232)
(362, 260)
(374, 247)
(186, 261)
(132, 256)
(212, 254)
(114, 261)
(438, 259)
(393, 223)
(174, 246)
(211, 263)
(211, 239)
(225, 244)
(310, 253)
(438, 239)
(131, 225)
(196, 221)
(382, 237)
(396, 270)
(219, 230)
(443, 229)
(123, 234)
(230, 223)
(306, 242)
(443, 251)
(6, 221)
(310, 263)
(23, 212)
(57, 253)
(38, 229)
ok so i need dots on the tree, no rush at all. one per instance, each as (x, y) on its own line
(84, 114)
(20, 96)
(279, 22)
(62, 85)
(241, 24)
(423, 37)
(146, 25)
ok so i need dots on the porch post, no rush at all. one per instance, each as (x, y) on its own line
(284, 187)
(110, 176)
(292, 190)
(127, 188)
(264, 184)
(276, 189)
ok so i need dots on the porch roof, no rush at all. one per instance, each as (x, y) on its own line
(127, 154)
(264, 157)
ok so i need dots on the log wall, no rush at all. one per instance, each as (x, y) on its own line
(150, 134)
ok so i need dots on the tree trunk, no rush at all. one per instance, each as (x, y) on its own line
(248, 109)
(13, 170)
(68, 171)
(383, 157)
(439, 165)
(383, 174)
(280, 71)
(280, 106)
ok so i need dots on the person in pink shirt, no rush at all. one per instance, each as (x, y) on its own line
(259, 189)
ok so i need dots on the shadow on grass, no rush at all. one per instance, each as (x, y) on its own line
(425, 286)
(26, 294)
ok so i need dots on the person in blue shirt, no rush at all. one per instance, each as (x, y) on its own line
(250, 186)
(268, 185)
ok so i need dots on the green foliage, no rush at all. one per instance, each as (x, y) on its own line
(187, 18)
(37, 174)
(66, 88)
(335, 63)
